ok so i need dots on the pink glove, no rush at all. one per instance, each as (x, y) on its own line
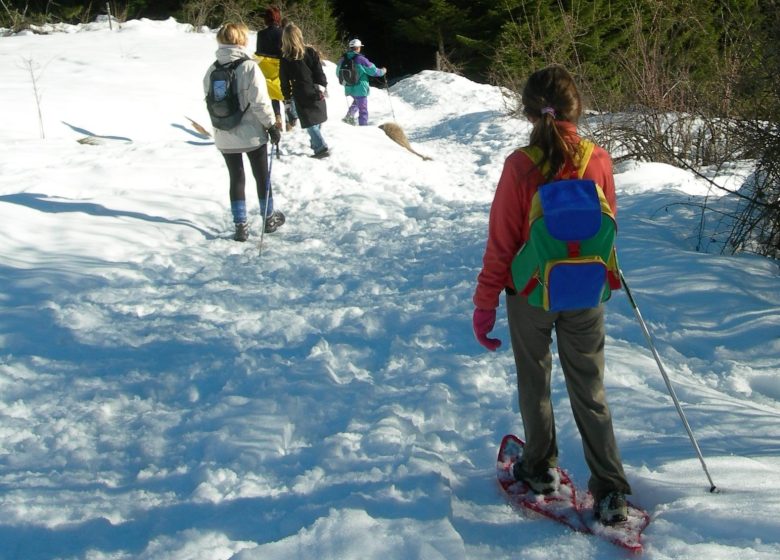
(484, 320)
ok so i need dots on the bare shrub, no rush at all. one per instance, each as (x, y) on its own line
(14, 18)
(662, 124)
(696, 111)
(444, 64)
(35, 72)
(213, 13)
(314, 17)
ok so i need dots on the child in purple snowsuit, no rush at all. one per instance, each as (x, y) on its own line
(359, 91)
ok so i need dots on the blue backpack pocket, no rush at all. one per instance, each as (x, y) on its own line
(576, 283)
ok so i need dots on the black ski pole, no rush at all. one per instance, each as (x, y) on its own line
(646, 332)
(268, 194)
(389, 99)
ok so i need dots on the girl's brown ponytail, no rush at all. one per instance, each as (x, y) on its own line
(550, 94)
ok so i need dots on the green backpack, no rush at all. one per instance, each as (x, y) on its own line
(569, 261)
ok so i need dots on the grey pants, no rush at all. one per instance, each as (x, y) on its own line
(580, 336)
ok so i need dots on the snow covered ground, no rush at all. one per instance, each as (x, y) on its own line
(166, 392)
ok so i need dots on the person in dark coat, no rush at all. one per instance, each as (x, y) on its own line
(303, 81)
(268, 54)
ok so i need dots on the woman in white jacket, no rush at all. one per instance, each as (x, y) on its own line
(251, 135)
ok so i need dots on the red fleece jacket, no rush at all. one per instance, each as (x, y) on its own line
(508, 226)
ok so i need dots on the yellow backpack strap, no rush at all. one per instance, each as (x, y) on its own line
(585, 151)
(586, 148)
(534, 154)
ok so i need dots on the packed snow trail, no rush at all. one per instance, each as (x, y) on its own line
(167, 393)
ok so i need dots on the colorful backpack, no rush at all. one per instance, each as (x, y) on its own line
(569, 261)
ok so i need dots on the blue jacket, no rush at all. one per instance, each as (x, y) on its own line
(365, 68)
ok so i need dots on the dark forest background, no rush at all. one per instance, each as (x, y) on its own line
(489, 40)
(694, 84)
(708, 52)
(372, 21)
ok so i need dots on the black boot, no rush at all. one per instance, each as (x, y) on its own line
(273, 221)
(242, 231)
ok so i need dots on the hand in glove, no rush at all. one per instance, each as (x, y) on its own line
(484, 320)
(274, 135)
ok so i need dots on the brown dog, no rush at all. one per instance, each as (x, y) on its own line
(198, 127)
(397, 135)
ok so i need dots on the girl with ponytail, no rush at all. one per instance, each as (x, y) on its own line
(552, 104)
(550, 96)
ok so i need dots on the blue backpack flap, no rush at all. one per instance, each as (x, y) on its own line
(571, 208)
(569, 259)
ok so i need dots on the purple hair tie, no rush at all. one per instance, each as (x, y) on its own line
(548, 111)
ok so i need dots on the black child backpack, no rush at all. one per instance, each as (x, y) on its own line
(222, 99)
(348, 72)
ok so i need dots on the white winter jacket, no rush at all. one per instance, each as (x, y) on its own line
(250, 133)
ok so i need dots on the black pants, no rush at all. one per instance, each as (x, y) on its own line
(258, 160)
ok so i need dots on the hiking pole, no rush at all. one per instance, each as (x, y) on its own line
(646, 332)
(389, 99)
(268, 194)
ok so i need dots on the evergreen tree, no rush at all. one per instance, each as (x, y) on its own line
(433, 26)
(459, 34)
(317, 22)
(475, 41)
(643, 51)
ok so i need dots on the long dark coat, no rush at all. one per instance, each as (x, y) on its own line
(299, 79)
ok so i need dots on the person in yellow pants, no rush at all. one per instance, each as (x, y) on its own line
(268, 54)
